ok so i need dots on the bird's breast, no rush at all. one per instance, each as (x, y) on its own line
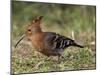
(37, 41)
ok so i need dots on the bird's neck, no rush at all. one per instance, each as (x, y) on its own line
(36, 30)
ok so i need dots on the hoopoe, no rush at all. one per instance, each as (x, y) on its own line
(47, 43)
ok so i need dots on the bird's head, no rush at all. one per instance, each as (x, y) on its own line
(33, 28)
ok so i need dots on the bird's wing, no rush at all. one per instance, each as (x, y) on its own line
(55, 41)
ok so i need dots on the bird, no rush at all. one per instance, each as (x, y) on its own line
(47, 43)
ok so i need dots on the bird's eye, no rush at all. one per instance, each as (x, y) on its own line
(29, 29)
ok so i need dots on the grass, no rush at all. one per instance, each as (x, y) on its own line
(80, 60)
(62, 19)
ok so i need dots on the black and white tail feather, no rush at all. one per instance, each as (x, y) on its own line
(59, 42)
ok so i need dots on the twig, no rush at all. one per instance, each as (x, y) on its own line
(73, 37)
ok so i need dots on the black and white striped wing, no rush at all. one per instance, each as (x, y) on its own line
(56, 42)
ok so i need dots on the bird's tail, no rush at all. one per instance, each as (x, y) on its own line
(77, 45)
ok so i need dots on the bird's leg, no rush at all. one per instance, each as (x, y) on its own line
(59, 58)
(60, 55)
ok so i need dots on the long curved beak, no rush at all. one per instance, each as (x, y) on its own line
(21, 38)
